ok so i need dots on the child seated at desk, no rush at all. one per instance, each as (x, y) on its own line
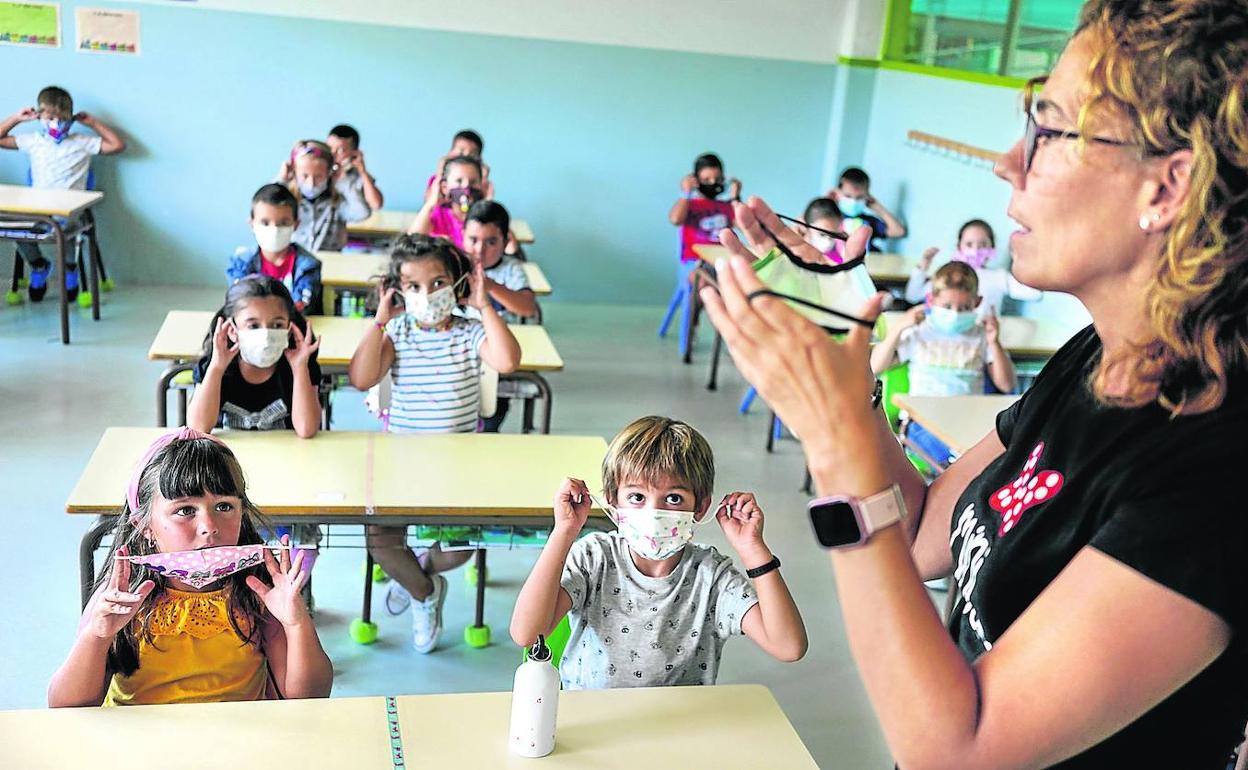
(352, 178)
(977, 248)
(447, 202)
(59, 160)
(274, 217)
(434, 358)
(853, 196)
(947, 347)
(156, 631)
(698, 212)
(647, 606)
(465, 143)
(324, 208)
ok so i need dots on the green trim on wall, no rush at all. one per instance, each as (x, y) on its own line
(896, 28)
(938, 72)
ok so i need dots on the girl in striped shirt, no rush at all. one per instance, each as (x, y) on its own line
(434, 359)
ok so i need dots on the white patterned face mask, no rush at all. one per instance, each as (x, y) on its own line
(262, 347)
(203, 566)
(431, 308)
(653, 533)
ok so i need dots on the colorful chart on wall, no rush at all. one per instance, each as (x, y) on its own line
(33, 24)
(101, 30)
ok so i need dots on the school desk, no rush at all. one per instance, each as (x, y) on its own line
(1026, 339)
(388, 223)
(356, 272)
(958, 421)
(348, 477)
(181, 339)
(733, 727)
(23, 208)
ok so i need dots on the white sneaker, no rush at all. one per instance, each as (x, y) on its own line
(397, 598)
(427, 617)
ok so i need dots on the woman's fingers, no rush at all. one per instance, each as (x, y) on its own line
(749, 224)
(730, 241)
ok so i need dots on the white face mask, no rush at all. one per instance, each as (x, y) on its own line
(430, 309)
(262, 347)
(653, 533)
(273, 238)
(313, 190)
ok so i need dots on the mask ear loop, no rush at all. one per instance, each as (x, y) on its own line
(607, 509)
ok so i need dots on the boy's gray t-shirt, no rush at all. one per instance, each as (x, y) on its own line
(630, 630)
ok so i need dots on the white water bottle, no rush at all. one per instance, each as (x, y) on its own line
(534, 704)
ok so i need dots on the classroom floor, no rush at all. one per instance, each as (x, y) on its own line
(55, 401)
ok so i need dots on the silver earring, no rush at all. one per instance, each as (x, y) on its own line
(1144, 222)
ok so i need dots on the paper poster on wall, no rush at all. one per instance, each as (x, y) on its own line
(107, 31)
(35, 24)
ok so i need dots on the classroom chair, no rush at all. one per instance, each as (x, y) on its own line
(685, 299)
(86, 240)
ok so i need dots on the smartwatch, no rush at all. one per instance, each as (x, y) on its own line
(840, 521)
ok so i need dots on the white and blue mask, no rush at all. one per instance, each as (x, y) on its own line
(946, 320)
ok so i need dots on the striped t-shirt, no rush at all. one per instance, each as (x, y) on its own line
(436, 376)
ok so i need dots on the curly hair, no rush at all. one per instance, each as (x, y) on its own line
(1178, 72)
(411, 247)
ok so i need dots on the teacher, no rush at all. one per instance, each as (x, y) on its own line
(1098, 538)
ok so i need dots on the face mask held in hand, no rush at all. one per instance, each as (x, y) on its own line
(200, 567)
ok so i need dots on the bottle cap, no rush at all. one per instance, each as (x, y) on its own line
(539, 651)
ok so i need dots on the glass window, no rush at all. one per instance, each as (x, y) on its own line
(1010, 38)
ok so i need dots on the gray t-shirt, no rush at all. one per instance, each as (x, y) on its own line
(630, 630)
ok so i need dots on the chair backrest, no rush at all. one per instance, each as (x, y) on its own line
(30, 178)
(377, 400)
(896, 380)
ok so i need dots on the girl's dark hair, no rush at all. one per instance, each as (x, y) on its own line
(992, 237)
(463, 160)
(412, 247)
(186, 468)
(254, 286)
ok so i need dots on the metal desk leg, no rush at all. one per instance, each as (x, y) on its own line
(366, 613)
(544, 393)
(86, 554)
(92, 264)
(480, 616)
(60, 270)
(716, 348)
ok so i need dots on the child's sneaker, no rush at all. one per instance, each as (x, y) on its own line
(71, 284)
(397, 598)
(38, 283)
(427, 617)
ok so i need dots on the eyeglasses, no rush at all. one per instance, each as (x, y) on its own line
(1035, 132)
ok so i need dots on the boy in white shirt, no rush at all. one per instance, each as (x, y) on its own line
(59, 160)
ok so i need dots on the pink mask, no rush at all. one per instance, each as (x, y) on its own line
(976, 258)
(203, 566)
(132, 491)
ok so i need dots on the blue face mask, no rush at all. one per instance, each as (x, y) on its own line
(852, 207)
(946, 320)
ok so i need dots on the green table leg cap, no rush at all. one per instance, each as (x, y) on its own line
(363, 632)
(379, 574)
(477, 636)
(84, 299)
(12, 298)
(107, 284)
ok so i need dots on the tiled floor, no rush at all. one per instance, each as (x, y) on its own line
(56, 400)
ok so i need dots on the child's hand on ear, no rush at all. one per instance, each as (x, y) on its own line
(115, 606)
(385, 306)
(742, 522)
(305, 346)
(925, 261)
(433, 196)
(572, 504)
(734, 189)
(912, 317)
(25, 114)
(223, 350)
(992, 326)
(283, 600)
(286, 172)
(688, 183)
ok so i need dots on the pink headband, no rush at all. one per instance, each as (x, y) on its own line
(183, 434)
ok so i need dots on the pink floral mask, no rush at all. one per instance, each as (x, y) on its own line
(200, 567)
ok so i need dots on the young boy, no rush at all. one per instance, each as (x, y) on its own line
(948, 349)
(352, 177)
(466, 142)
(274, 217)
(59, 160)
(648, 608)
(447, 203)
(698, 212)
(853, 196)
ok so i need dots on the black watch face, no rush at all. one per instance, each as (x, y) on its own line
(835, 524)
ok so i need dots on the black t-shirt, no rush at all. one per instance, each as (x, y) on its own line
(1157, 494)
(259, 406)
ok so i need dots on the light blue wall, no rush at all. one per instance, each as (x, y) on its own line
(932, 192)
(587, 142)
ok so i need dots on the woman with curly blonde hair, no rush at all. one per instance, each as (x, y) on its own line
(1097, 538)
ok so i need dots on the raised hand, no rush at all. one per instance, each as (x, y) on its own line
(742, 522)
(992, 326)
(385, 306)
(223, 350)
(688, 183)
(925, 262)
(572, 504)
(115, 606)
(283, 600)
(912, 317)
(734, 188)
(760, 224)
(478, 295)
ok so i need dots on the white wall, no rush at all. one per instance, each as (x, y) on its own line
(799, 30)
